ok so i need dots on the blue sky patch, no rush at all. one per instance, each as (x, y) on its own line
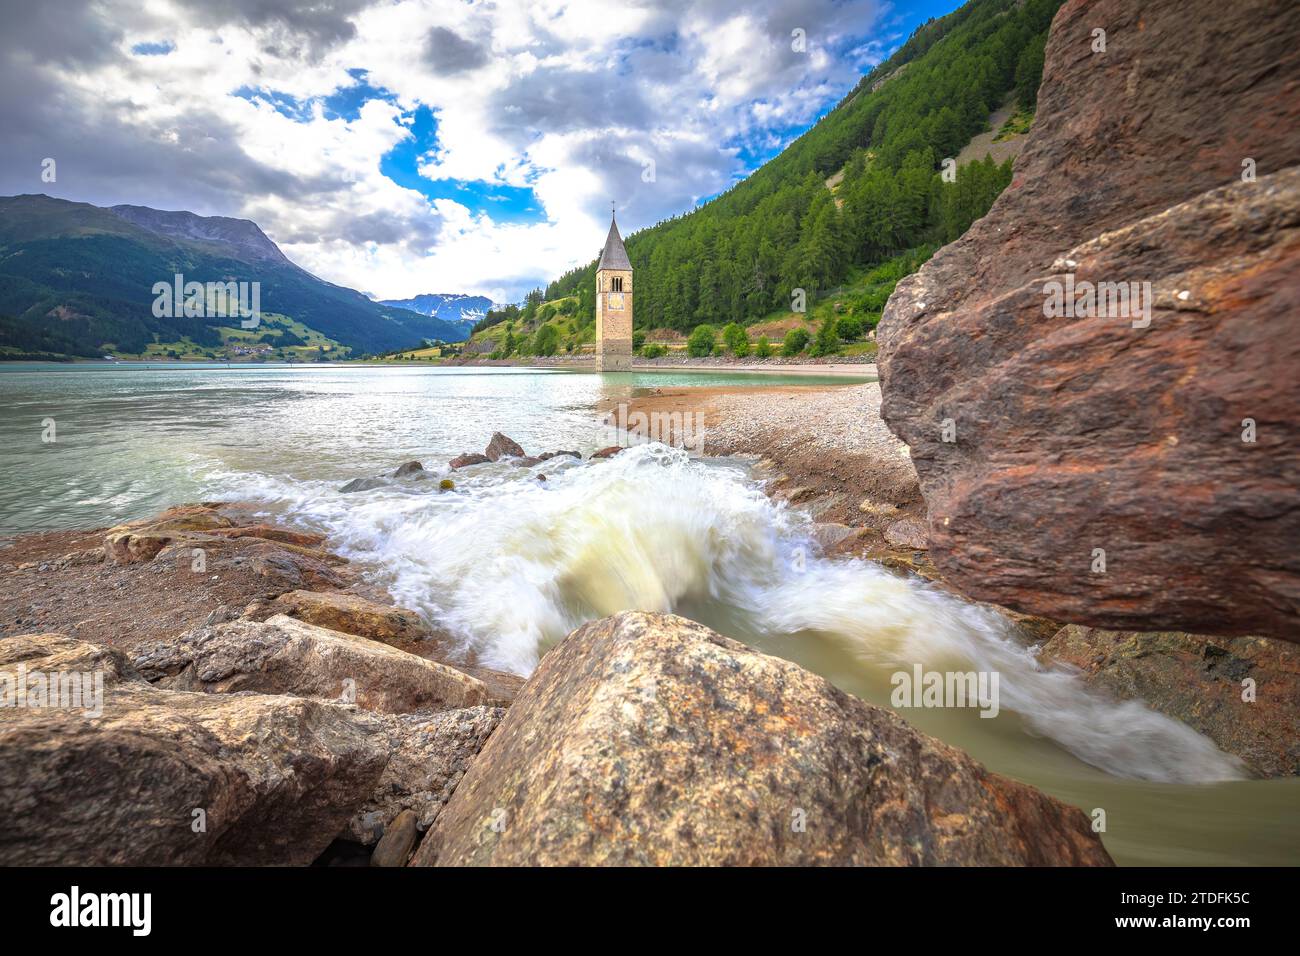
(160, 48)
(295, 109)
(758, 146)
(345, 103)
(502, 202)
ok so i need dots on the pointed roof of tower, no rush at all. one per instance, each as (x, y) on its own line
(614, 255)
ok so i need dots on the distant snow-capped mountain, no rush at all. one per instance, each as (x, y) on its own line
(448, 306)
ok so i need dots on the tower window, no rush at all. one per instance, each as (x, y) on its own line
(616, 284)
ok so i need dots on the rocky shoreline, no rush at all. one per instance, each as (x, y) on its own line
(285, 712)
(827, 450)
(823, 448)
(303, 728)
(206, 687)
(855, 365)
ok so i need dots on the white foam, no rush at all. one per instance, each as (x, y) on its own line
(510, 565)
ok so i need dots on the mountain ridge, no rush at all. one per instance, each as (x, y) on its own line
(82, 276)
(182, 224)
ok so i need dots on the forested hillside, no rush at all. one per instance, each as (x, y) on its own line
(738, 257)
(78, 279)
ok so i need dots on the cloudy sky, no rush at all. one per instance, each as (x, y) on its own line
(408, 146)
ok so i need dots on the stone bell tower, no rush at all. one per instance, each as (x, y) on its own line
(613, 305)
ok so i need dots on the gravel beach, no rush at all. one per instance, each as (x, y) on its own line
(822, 447)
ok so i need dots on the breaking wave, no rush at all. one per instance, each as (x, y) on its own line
(509, 564)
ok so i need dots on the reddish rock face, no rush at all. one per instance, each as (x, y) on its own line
(1242, 692)
(467, 459)
(503, 446)
(1129, 468)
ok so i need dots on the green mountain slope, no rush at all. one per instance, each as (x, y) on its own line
(861, 186)
(75, 278)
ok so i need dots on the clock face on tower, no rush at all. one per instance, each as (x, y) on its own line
(616, 300)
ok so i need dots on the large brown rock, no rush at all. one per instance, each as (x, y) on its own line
(187, 534)
(1087, 433)
(142, 540)
(286, 566)
(1243, 693)
(649, 739)
(305, 539)
(286, 656)
(340, 611)
(164, 778)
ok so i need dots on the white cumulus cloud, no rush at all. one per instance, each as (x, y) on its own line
(173, 104)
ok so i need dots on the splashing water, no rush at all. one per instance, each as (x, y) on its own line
(509, 565)
(516, 564)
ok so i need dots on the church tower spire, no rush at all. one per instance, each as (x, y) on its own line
(613, 303)
(614, 255)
